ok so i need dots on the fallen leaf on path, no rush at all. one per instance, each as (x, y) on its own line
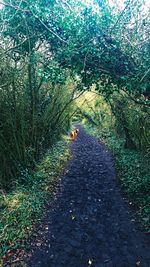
(38, 244)
(90, 262)
(73, 217)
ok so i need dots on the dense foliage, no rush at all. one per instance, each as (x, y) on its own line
(35, 95)
(53, 50)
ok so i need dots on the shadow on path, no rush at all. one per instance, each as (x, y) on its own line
(88, 223)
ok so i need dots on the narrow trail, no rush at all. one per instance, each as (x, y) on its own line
(88, 223)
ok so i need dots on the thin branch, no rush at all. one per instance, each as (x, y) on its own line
(84, 64)
(120, 16)
(147, 72)
(4, 85)
(14, 7)
(128, 41)
(35, 16)
(66, 105)
(144, 41)
(66, 3)
(139, 102)
(16, 11)
(51, 31)
(14, 47)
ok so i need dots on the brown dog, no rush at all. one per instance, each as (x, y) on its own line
(74, 134)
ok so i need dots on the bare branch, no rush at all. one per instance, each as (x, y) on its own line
(36, 17)
(66, 3)
(14, 7)
(147, 72)
(128, 4)
(14, 47)
(51, 31)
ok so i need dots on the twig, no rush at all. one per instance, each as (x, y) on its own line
(51, 31)
(14, 7)
(14, 47)
(145, 75)
(120, 17)
(35, 16)
(66, 3)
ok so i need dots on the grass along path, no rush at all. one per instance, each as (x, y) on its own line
(22, 208)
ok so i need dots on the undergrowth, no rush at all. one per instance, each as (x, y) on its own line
(21, 208)
(133, 172)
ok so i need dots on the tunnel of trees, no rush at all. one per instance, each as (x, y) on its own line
(51, 52)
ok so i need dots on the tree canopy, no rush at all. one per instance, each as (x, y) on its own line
(52, 51)
(100, 42)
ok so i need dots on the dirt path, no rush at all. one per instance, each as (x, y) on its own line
(88, 223)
